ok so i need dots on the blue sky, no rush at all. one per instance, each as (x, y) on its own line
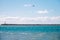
(30, 8)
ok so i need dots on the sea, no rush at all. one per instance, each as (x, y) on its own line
(29, 32)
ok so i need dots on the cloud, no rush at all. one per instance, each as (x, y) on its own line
(28, 5)
(42, 11)
(31, 20)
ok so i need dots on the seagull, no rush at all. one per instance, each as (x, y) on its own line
(33, 5)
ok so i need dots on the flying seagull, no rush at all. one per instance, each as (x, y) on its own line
(33, 5)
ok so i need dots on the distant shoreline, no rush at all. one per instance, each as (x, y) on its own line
(30, 24)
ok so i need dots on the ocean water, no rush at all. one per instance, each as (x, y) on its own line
(17, 32)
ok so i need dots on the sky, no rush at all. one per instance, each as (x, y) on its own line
(30, 11)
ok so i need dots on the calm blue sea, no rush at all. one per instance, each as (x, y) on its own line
(17, 32)
(42, 28)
